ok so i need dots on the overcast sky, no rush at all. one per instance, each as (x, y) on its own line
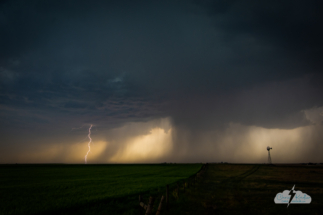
(161, 81)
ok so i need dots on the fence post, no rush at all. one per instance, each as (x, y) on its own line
(150, 205)
(160, 205)
(142, 204)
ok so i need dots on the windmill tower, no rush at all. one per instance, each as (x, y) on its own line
(269, 158)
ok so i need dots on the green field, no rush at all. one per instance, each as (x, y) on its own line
(83, 189)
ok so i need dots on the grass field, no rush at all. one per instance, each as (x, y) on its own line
(83, 189)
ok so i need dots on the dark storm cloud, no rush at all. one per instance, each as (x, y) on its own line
(293, 24)
(204, 64)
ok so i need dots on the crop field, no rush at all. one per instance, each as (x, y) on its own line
(83, 189)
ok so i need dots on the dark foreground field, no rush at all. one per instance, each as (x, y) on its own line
(114, 189)
(251, 189)
(83, 189)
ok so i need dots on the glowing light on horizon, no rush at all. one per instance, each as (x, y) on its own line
(89, 144)
(144, 148)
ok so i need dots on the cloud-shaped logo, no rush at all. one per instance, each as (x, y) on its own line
(292, 197)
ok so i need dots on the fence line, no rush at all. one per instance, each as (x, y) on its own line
(189, 182)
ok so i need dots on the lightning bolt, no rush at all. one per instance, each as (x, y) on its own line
(292, 195)
(89, 144)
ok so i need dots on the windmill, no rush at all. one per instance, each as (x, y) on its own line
(269, 158)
